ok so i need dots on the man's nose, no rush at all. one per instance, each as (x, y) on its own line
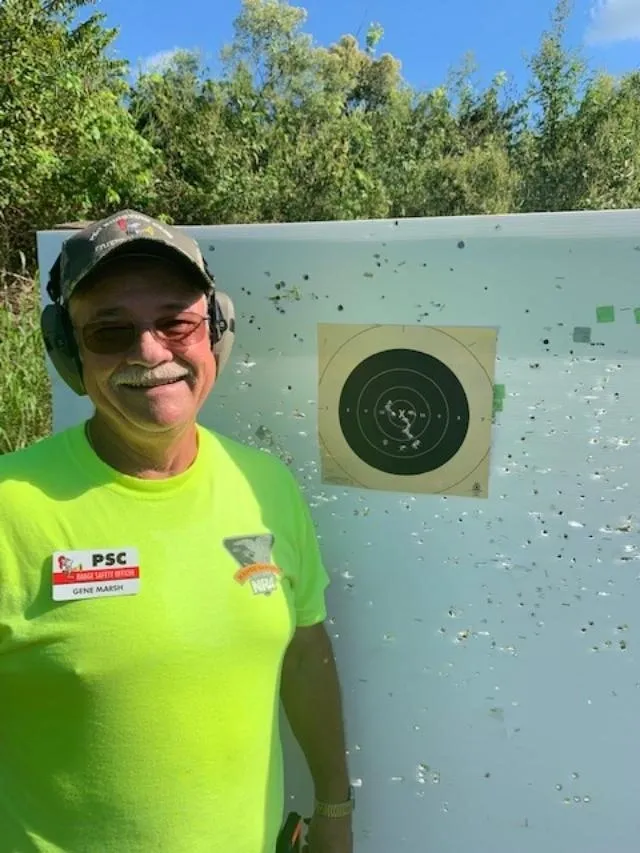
(147, 348)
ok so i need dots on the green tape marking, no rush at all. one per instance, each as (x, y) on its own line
(636, 313)
(606, 314)
(499, 394)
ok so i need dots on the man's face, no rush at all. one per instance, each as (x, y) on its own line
(143, 291)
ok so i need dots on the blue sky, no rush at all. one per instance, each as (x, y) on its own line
(428, 36)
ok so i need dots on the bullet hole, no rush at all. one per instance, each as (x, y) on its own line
(251, 320)
(451, 269)
(377, 256)
(289, 388)
(267, 273)
(306, 276)
(396, 222)
(461, 244)
(370, 274)
(280, 285)
(424, 265)
(546, 342)
(340, 307)
(212, 248)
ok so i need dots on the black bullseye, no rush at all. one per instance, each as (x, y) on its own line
(404, 412)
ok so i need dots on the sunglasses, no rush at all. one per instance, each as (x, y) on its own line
(178, 332)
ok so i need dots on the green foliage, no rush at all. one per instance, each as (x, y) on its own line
(290, 130)
(68, 146)
(25, 396)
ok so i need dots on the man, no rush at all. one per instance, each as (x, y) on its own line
(161, 586)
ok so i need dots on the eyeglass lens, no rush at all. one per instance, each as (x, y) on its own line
(182, 330)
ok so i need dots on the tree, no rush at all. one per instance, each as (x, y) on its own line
(68, 147)
(544, 154)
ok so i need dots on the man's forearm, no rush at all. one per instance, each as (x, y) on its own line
(311, 697)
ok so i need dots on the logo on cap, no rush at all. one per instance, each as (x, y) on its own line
(133, 227)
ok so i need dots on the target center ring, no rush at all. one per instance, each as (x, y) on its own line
(398, 417)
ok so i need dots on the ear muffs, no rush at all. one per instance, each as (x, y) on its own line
(60, 344)
(223, 325)
(59, 339)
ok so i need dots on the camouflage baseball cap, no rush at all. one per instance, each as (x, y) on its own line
(125, 232)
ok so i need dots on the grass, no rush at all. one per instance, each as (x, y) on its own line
(25, 388)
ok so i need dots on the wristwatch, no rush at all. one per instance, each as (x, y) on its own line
(337, 809)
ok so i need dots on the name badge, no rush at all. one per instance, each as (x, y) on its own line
(95, 574)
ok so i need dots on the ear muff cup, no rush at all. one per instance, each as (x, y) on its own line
(59, 340)
(60, 344)
(223, 346)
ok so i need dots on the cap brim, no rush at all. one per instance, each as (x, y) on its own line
(144, 247)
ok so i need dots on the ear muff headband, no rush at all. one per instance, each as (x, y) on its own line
(60, 344)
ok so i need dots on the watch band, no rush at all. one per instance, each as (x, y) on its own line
(336, 809)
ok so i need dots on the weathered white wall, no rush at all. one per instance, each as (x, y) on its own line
(487, 647)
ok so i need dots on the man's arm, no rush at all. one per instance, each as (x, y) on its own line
(311, 697)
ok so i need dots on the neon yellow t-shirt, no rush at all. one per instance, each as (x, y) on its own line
(149, 723)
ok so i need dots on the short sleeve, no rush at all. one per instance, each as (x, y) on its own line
(311, 579)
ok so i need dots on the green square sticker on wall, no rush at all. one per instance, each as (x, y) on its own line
(606, 314)
(636, 314)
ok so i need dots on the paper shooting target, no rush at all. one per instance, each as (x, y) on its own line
(406, 408)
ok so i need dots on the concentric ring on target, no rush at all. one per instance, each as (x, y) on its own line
(393, 417)
(404, 412)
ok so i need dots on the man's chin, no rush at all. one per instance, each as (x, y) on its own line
(164, 406)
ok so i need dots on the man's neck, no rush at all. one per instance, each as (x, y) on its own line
(150, 457)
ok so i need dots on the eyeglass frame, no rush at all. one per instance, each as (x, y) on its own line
(139, 328)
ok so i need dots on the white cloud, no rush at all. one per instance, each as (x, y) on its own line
(614, 21)
(158, 61)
